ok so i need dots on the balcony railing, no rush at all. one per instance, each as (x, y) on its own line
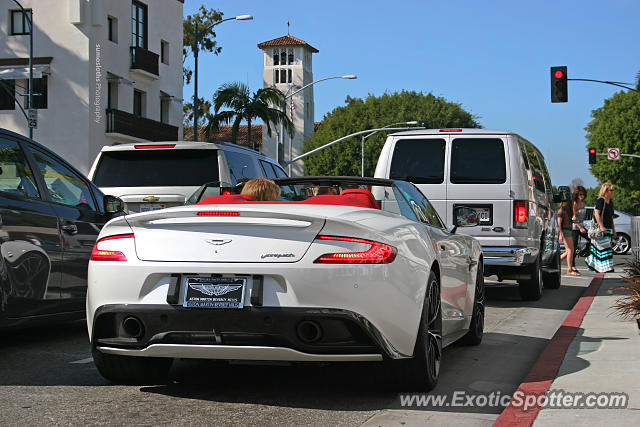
(139, 127)
(143, 59)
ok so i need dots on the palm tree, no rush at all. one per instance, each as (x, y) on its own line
(243, 106)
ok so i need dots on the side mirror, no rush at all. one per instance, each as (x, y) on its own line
(113, 204)
(564, 194)
(465, 216)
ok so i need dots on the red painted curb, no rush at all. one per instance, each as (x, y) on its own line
(544, 371)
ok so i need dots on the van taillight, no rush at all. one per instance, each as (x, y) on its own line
(450, 130)
(155, 146)
(520, 213)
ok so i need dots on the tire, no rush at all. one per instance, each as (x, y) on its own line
(476, 328)
(621, 244)
(132, 370)
(421, 372)
(553, 280)
(531, 290)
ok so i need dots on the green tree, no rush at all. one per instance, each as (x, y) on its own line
(207, 42)
(617, 124)
(344, 158)
(242, 106)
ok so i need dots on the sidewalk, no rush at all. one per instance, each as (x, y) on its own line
(594, 351)
(603, 357)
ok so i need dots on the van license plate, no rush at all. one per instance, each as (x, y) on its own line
(214, 292)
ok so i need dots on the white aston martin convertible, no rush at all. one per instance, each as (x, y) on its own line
(338, 269)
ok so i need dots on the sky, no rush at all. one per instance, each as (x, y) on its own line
(492, 57)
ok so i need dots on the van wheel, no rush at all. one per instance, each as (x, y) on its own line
(531, 289)
(553, 280)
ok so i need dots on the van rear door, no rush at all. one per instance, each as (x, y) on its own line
(479, 178)
(422, 160)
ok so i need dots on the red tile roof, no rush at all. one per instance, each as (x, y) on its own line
(224, 134)
(287, 41)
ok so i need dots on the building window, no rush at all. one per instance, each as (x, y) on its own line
(39, 92)
(276, 57)
(164, 52)
(139, 100)
(165, 102)
(290, 56)
(282, 75)
(112, 95)
(139, 25)
(112, 29)
(289, 76)
(283, 57)
(20, 22)
(7, 92)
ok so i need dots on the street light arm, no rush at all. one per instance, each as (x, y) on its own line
(392, 124)
(342, 139)
(348, 76)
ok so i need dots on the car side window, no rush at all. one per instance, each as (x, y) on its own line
(268, 169)
(16, 176)
(280, 173)
(420, 205)
(241, 166)
(64, 185)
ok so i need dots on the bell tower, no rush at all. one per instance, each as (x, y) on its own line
(288, 67)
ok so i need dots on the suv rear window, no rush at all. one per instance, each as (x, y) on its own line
(478, 161)
(420, 161)
(154, 168)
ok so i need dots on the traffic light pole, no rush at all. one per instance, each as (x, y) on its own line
(626, 155)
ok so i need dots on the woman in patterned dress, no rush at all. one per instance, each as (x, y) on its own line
(600, 258)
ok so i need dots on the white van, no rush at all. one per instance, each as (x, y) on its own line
(503, 177)
(156, 175)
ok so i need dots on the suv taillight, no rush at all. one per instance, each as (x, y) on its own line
(520, 213)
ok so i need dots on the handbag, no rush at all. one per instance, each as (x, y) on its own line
(594, 231)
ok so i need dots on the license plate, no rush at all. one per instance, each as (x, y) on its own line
(214, 292)
(151, 207)
(484, 215)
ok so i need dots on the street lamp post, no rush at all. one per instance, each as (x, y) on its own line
(374, 132)
(195, 76)
(289, 95)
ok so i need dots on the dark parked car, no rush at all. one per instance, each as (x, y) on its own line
(50, 216)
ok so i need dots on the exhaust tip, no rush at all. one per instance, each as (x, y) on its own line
(133, 327)
(309, 331)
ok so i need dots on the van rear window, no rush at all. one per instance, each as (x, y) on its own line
(478, 161)
(154, 168)
(420, 161)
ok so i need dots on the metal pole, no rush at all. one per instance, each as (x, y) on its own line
(302, 156)
(195, 87)
(30, 92)
(362, 155)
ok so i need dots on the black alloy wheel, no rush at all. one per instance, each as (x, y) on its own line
(476, 328)
(420, 373)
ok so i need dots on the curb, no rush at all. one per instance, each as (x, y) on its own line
(544, 371)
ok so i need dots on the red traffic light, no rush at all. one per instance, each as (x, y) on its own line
(592, 151)
(559, 74)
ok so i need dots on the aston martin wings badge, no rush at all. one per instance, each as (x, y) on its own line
(217, 290)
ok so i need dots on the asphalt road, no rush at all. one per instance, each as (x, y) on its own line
(47, 377)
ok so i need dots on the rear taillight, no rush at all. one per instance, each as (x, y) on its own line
(450, 130)
(378, 253)
(98, 254)
(520, 213)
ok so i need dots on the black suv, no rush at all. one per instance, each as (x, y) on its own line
(50, 217)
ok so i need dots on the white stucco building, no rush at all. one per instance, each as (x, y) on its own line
(106, 71)
(288, 67)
